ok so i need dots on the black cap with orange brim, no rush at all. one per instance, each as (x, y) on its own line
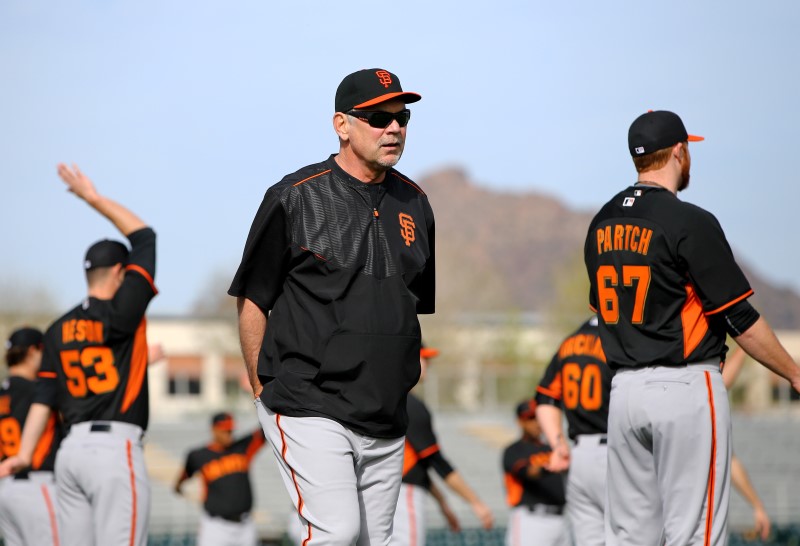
(527, 409)
(369, 87)
(656, 130)
(223, 421)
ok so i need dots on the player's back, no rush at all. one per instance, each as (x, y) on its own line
(101, 368)
(657, 266)
(579, 380)
(16, 397)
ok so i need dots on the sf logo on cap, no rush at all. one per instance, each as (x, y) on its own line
(407, 227)
(384, 77)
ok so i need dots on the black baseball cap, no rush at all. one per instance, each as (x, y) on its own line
(369, 87)
(656, 130)
(527, 409)
(223, 420)
(25, 337)
(105, 253)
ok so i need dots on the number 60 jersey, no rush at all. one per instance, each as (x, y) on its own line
(94, 362)
(660, 270)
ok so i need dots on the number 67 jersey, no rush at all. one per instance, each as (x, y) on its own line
(94, 362)
(660, 270)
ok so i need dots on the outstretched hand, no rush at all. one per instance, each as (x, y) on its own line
(77, 182)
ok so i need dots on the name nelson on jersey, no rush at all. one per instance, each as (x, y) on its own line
(628, 237)
(82, 330)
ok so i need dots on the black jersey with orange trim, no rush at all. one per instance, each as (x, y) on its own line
(578, 381)
(225, 474)
(94, 361)
(343, 268)
(16, 397)
(660, 271)
(422, 447)
(523, 490)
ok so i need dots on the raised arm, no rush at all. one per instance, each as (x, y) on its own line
(252, 326)
(78, 183)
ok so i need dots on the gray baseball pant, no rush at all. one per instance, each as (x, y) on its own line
(343, 484)
(586, 490)
(528, 527)
(409, 520)
(102, 485)
(669, 452)
(28, 510)
(216, 531)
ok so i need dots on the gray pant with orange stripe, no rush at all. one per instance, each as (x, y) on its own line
(102, 486)
(28, 510)
(344, 484)
(409, 519)
(669, 450)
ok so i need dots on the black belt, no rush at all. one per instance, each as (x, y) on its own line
(100, 427)
(602, 441)
(237, 518)
(554, 509)
(21, 476)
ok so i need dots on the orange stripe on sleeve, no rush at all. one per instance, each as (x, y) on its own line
(138, 367)
(428, 451)
(143, 272)
(48, 375)
(303, 181)
(732, 302)
(552, 393)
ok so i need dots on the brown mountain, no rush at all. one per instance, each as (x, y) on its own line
(498, 251)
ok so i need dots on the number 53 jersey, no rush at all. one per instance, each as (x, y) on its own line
(660, 270)
(94, 361)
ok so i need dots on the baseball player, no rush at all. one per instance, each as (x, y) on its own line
(94, 372)
(340, 256)
(224, 466)
(27, 500)
(577, 382)
(666, 289)
(422, 454)
(535, 494)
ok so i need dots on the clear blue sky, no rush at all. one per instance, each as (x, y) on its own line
(186, 111)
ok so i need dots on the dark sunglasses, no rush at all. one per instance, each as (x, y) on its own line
(380, 119)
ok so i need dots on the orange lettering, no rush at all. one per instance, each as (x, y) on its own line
(644, 242)
(607, 241)
(619, 231)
